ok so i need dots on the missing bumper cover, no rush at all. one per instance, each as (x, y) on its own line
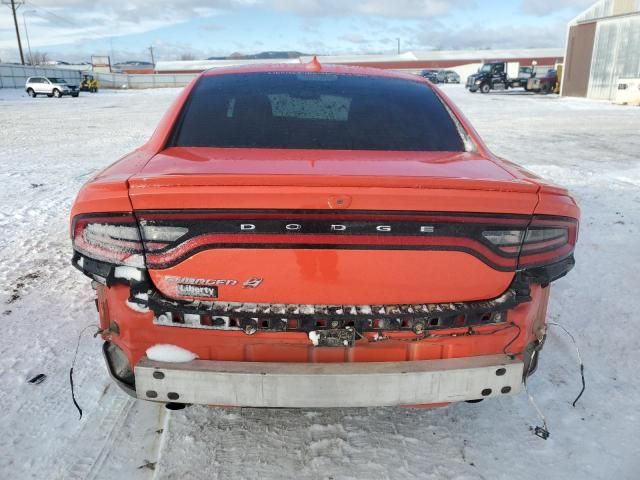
(308, 318)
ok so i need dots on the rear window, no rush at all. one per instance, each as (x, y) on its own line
(315, 111)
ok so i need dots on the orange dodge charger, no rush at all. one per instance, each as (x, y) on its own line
(320, 236)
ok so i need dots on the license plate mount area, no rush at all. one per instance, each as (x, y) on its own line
(335, 337)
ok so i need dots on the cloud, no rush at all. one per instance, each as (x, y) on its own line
(138, 10)
(68, 21)
(76, 21)
(44, 32)
(549, 7)
(379, 8)
(480, 37)
(354, 38)
(211, 27)
(320, 26)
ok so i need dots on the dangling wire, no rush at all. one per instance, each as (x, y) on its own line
(575, 344)
(75, 356)
(515, 337)
(542, 432)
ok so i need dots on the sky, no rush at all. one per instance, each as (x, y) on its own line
(73, 30)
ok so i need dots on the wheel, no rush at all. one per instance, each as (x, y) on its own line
(49, 95)
(473, 89)
(57, 93)
(546, 89)
(485, 88)
(31, 92)
(75, 95)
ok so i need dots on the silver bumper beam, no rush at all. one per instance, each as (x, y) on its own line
(308, 385)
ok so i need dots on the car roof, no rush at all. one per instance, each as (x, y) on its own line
(311, 67)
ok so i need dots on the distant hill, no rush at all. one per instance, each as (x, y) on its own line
(261, 55)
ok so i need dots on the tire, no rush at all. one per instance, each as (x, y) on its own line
(57, 93)
(473, 89)
(485, 88)
(49, 95)
(546, 89)
(31, 92)
(75, 95)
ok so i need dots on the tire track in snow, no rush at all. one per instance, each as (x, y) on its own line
(161, 443)
(99, 437)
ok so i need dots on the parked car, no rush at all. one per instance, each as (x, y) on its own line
(431, 75)
(50, 86)
(448, 76)
(342, 237)
(544, 84)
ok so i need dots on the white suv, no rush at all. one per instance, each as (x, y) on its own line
(50, 86)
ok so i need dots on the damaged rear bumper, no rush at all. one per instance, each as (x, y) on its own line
(314, 385)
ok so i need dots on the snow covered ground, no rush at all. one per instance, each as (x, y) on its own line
(48, 148)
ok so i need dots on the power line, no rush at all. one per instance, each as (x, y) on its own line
(26, 34)
(51, 14)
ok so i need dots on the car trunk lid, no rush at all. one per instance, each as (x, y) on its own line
(328, 227)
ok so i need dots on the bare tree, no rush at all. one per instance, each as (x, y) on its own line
(39, 58)
(187, 56)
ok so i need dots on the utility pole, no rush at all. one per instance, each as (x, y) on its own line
(14, 7)
(153, 61)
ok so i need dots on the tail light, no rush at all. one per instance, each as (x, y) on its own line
(157, 237)
(548, 240)
(111, 238)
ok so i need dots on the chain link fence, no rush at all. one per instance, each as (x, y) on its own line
(137, 81)
(15, 76)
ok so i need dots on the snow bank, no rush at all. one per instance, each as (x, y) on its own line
(136, 307)
(170, 353)
(128, 273)
(314, 337)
